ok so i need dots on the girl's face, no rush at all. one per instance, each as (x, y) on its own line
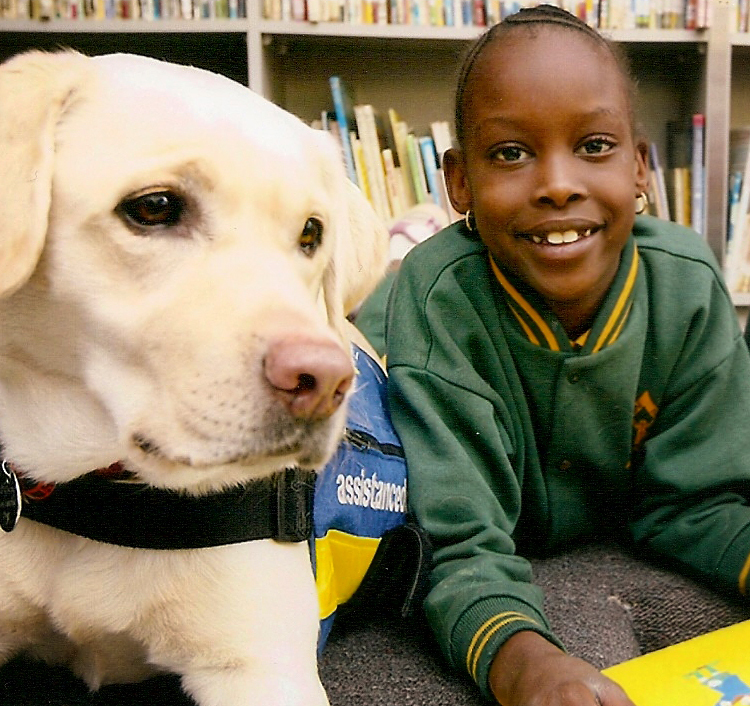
(549, 166)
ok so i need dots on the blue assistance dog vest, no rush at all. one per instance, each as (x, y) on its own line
(362, 537)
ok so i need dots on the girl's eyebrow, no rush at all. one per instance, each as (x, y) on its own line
(521, 122)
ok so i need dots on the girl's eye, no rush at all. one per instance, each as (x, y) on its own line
(156, 209)
(596, 145)
(311, 236)
(509, 153)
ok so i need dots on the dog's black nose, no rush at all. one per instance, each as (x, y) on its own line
(311, 376)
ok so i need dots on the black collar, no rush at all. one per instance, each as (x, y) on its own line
(132, 514)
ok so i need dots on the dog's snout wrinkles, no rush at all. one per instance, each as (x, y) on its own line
(310, 376)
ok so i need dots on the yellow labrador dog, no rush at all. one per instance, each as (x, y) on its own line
(177, 256)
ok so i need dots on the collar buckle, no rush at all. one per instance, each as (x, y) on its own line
(10, 497)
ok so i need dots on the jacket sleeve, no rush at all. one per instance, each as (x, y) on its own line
(693, 484)
(459, 468)
(463, 486)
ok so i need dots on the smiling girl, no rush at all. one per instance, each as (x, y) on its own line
(561, 370)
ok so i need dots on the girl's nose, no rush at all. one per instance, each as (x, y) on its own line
(559, 180)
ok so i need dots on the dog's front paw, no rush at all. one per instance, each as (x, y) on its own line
(248, 688)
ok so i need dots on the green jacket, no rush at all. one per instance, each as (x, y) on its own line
(518, 442)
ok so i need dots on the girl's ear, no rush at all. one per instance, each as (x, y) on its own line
(641, 166)
(456, 181)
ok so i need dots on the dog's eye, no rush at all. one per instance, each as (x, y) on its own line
(159, 208)
(312, 236)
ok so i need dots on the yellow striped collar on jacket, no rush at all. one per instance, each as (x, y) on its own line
(541, 328)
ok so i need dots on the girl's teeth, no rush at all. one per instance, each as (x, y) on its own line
(557, 238)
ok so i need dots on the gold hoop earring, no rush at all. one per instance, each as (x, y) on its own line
(469, 220)
(641, 203)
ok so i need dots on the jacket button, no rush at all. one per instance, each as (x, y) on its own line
(573, 377)
(565, 465)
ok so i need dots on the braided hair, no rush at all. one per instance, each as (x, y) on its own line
(549, 15)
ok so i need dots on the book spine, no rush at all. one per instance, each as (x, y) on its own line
(660, 187)
(400, 133)
(340, 108)
(429, 160)
(441, 135)
(466, 13)
(393, 183)
(359, 164)
(697, 190)
(737, 247)
(417, 169)
(735, 189)
(368, 135)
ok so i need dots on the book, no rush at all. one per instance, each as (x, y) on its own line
(736, 247)
(429, 163)
(441, 136)
(298, 10)
(342, 105)
(709, 670)
(697, 186)
(733, 202)
(681, 195)
(679, 161)
(400, 131)
(358, 156)
(370, 136)
(659, 187)
(691, 14)
(416, 169)
(394, 184)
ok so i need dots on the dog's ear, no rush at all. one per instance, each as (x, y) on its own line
(360, 256)
(362, 241)
(363, 254)
(34, 90)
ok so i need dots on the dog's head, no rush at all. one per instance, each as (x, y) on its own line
(176, 258)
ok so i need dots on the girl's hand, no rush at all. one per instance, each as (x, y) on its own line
(530, 671)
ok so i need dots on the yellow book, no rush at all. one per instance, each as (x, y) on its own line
(394, 183)
(709, 670)
(400, 133)
(370, 138)
(359, 166)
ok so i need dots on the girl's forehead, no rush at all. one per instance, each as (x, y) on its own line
(546, 63)
(552, 46)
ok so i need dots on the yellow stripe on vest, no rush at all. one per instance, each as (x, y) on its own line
(341, 562)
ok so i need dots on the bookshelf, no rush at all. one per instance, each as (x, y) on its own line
(413, 69)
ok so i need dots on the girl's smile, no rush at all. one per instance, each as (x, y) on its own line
(549, 166)
(560, 233)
